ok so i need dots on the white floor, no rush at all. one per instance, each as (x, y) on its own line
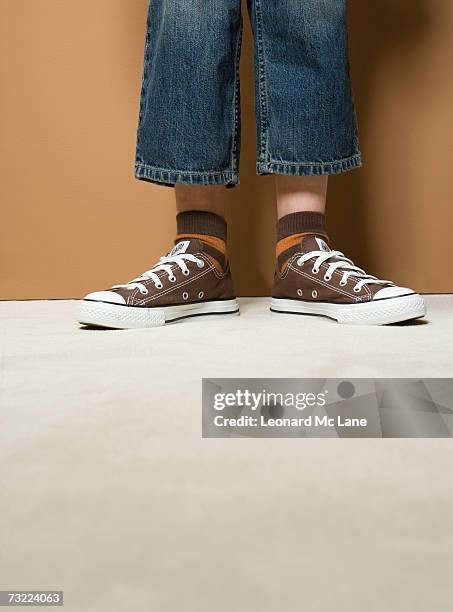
(108, 492)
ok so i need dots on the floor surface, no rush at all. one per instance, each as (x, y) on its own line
(108, 492)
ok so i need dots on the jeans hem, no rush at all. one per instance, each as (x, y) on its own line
(310, 169)
(170, 178)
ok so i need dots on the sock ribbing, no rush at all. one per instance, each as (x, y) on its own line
(304, 222)
(292, 228)
(209, 228)
(201, 222)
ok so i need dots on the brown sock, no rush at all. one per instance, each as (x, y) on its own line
(291, 229)
(207, 227)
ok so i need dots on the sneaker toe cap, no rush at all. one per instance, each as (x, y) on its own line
(392, 292)
(106, 296)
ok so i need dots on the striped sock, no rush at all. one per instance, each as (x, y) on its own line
(291, 229)
(208, 227)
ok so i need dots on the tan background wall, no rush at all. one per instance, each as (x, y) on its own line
(70, 78)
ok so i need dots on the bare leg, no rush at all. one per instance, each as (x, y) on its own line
(209, 198)
(301, 193)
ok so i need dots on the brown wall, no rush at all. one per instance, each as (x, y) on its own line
(74, 219)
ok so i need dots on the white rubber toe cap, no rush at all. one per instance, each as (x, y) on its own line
(106, 296)
(392, 292)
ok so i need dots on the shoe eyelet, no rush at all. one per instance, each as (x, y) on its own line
(315, 270)
(145, 292)
(342, 284)
(200, 295)
(172, 279)
(300, 292)
(159, 286)
(200, 264)
(186, 272)
(327, 278)
(185, 295)
(314, 294)
(356, 290)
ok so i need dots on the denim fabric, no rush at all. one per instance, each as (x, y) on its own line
(189, 126)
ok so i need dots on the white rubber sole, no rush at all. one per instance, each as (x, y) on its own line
(379, 312)
(118, 316)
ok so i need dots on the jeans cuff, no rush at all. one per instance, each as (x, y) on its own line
(170, 178)
(310, 169)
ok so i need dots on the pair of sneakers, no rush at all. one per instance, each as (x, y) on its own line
(194, 279)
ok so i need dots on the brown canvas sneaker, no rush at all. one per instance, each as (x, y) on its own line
(320, 281)
(193, 279)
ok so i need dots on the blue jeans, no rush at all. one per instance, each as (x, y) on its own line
(189, 126)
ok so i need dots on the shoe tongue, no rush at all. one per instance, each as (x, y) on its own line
(314, 243)
(187, 246)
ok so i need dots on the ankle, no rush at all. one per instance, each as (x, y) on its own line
(292, 228)
(208, 198)
(208, 227)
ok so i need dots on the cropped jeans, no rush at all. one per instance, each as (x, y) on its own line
(189, 124)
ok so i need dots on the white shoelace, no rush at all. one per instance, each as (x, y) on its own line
(165, 264)
(343, 264)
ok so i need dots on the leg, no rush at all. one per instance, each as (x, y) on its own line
(297, 193)
(189, 113)
(306, 123)
(210, 199)
(201, 213)
(306, 52)
(188, 133)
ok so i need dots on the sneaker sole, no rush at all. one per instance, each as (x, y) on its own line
(118, 316)
(380, 312)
